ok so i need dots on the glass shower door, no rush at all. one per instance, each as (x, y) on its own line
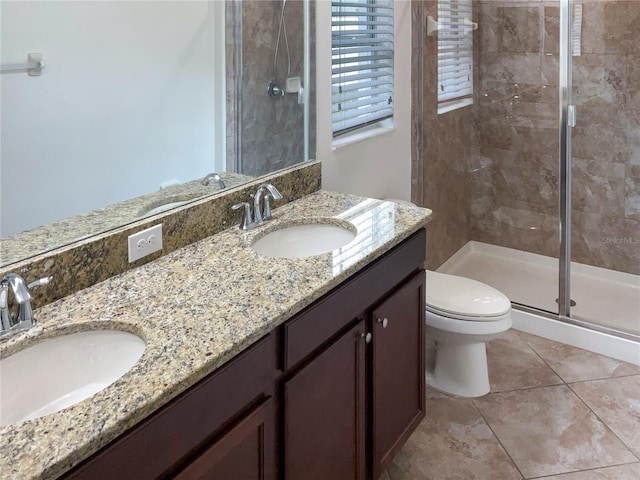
(604, 62)
(514, 174)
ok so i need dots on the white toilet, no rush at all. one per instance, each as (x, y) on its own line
(462, 315)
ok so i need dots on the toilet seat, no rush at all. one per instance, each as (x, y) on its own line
(464, 299)
(473, 328)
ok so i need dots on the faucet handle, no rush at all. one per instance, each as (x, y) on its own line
(275, 193)
(40, 282)
(19, 288)
(246, 217)
(5, 316)
(22, 295)
(4, 295)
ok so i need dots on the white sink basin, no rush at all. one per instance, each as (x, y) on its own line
(167, 203)
(62, 371)
(163, 208)
(300, 241)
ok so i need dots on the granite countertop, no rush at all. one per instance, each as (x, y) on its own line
(196, 308)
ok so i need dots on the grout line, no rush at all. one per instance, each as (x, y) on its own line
(603, 378)
(543, 360)
(588, 408)
(524, 389)
(603, 422)
(497, 439)
(585, 470)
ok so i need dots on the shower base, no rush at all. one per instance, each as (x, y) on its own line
(603, 297)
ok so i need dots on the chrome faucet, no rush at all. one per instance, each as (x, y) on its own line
(213, 176)
(24, 319)
(260, 213)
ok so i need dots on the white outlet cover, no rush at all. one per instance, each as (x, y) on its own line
(145, 242)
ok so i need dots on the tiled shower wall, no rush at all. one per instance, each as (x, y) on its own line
(271, 131)
(514, 176)
(441, 149)
(511, 181)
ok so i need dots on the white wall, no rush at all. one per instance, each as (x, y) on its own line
(125, 103)
(377, 167)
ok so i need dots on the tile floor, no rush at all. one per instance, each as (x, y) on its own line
(554, 412)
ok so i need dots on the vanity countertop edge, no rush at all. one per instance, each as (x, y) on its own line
(196, 308)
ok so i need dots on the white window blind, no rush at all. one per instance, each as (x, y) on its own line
(362, 63)
(455, 50)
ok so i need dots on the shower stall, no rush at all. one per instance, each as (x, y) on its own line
(269, 76)
(535, 178)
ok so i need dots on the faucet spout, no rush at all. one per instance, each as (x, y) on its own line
(213, 176)
(258, 215)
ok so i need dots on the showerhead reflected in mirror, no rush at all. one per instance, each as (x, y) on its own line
(138, 103)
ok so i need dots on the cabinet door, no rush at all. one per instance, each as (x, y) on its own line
(398, 378)
(242, 453)
(324, 413)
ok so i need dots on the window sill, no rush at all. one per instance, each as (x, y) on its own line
(362, 135)
(454, 105)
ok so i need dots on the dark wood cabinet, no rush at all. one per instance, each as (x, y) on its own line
(374, 322)
(332, 393)
(324, 413)
(227, 415)
(242, 453)
(397, 366)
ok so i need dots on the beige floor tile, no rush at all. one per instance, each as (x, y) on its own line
(617, 402)
(621, 472)
(452, 443)
(385, 476)
(549, 430)
(514, 365)
(433, 393)
(577, 365)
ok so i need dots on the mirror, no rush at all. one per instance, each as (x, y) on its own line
(137, 103)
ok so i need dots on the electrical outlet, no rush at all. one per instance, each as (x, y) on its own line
(145, 242)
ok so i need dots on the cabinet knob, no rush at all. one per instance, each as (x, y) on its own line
(384, 322)
(367, 337)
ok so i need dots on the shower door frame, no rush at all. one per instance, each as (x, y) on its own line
(567, 117)
(564, 81)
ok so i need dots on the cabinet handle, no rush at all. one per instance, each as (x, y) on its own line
(384, 322)
(367, 337)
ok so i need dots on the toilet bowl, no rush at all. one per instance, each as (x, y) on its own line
(461, 316)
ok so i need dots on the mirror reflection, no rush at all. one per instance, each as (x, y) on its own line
(141, 107)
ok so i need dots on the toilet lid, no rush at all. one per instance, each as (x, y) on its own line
(460, 297)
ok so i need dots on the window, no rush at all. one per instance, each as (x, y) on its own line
(362, 63)
(455, 54)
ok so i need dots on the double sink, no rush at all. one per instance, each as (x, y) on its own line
(64, 370)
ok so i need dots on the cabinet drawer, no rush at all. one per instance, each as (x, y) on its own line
(166, 438)
(306, 332)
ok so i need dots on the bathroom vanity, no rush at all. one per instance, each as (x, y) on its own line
(349, 367)
(288, 368)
